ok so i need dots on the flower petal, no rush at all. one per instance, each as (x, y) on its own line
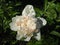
(13, 24)
(44, 22)
(27, 39)
(13, 27)
(18, 37)
(20, 34)
(28, 11)
(15, 18)
(38, 37)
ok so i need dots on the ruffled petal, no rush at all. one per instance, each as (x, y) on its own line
(13, 27)
(20, 34)
(38, 36)
(28, 11)
(18, 37)
(27, 39)
(44, 22)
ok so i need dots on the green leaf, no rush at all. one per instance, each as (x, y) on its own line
(9, 7)
(1, 11)
(51, 13)
(58, 7)
(58, 20)
(57, 26)
(55, 33)
(38, 12)
(13, 13)
(18, 3)
(51, 5)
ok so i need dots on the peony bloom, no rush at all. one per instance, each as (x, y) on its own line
(27, 25)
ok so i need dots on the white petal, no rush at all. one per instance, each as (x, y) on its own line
(12, 26)
(15, 18)
(38, 37)
(27, 39)
(28, 11)
(20, 34)
(18, 37)
(31, 24)
(44, 22)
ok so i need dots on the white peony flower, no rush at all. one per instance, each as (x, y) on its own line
(26, 25)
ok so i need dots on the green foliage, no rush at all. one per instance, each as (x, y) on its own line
(55, 33)
(38, 12)
(58, 7)
(50, 11)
